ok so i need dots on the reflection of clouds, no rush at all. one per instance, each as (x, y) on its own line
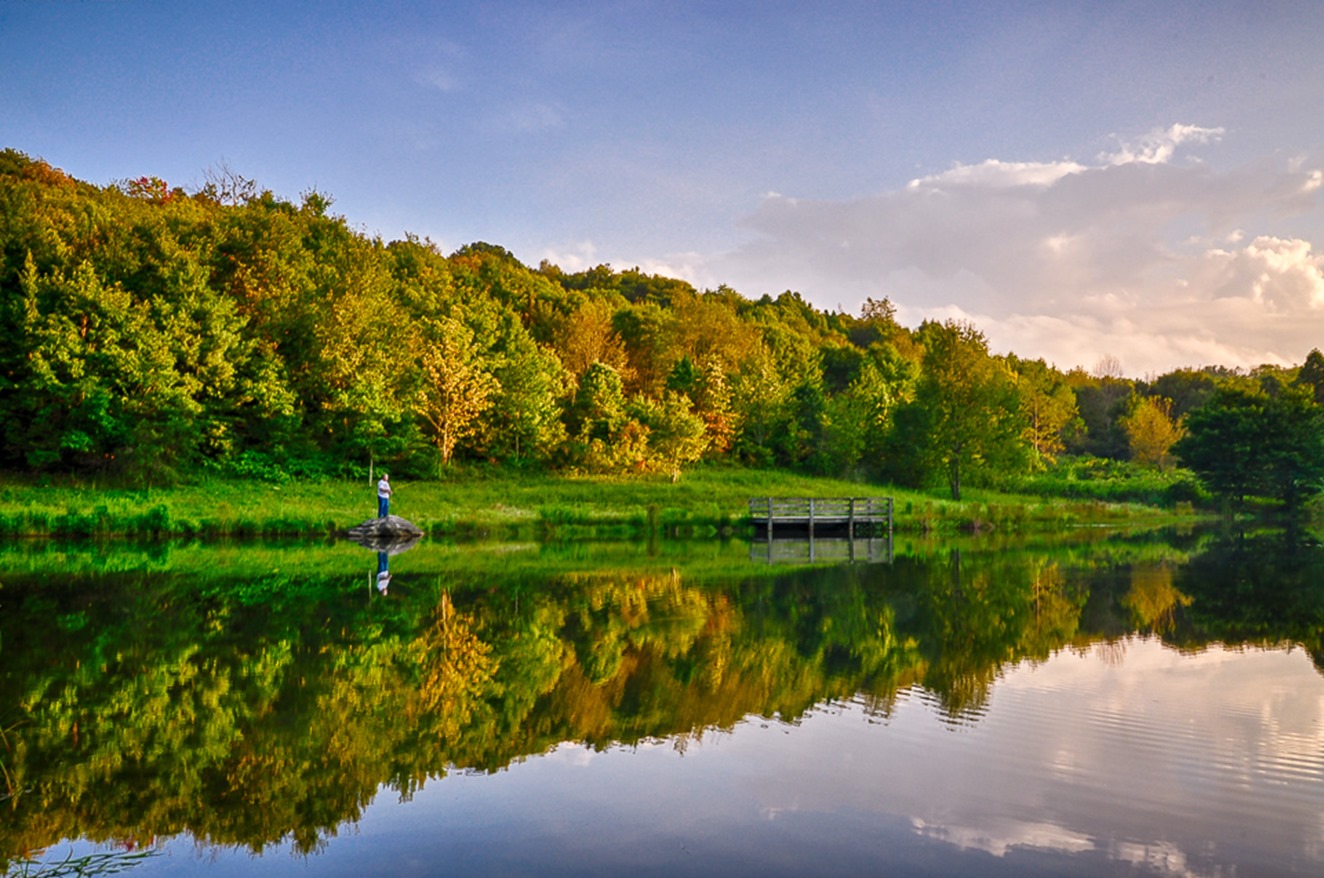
(1205, 764)
(571, 754)
(1160, 857)
(1151, 757)
(999, 836)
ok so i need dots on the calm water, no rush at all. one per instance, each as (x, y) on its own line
(1120, 707)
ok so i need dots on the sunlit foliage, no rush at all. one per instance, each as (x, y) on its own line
(152, 334)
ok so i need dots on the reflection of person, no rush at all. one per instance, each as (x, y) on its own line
(384, 496)
(383, 573)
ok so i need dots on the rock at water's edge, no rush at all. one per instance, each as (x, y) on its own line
(380, 533)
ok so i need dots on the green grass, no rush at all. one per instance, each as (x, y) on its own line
(485, 502)
(1095, 478)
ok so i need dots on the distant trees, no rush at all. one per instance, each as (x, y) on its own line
(1101, 401)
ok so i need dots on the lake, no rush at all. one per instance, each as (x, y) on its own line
(1095, 704)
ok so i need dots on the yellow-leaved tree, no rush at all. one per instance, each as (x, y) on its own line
(1151, 431)
(456, 387)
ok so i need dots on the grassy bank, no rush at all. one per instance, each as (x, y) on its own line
(511, 505)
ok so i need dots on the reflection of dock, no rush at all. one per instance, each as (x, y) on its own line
(810, 530)
(817, 550)
(850, 517)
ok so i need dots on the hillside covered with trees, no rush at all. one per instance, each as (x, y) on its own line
(153, 333)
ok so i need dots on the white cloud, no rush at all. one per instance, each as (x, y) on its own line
(1283, 276)
(1159, 146)
(579, 256)
(1162, 263)
(583, 255)
(996, 174)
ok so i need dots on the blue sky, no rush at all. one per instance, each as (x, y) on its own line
(1134, 180)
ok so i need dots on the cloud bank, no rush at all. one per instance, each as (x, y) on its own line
(1144, 253)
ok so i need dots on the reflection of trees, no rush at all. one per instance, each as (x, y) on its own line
(985, 612)
(1264, 589)
(1153, 597)
(455, 671)
(251, 711)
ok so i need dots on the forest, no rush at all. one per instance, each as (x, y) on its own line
(153, 334)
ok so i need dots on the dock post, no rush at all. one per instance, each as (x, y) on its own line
(770, 521)
(889, 530)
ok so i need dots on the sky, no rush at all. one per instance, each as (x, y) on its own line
(1126, 183)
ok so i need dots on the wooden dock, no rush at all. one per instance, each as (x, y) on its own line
(818, 516)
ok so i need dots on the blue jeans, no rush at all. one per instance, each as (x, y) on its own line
(383, 506)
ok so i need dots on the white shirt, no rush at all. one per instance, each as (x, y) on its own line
(383, 488)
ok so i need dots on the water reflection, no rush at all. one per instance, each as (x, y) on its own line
(383, 578)
(819, 550)
(385, 545)
(247, 699)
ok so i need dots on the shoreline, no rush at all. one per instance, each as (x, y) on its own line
(707, 503)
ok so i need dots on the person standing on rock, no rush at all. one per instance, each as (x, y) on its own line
(384, 496)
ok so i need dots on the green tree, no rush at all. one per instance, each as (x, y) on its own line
(525, 418)
(605, 436)
(1250, 442)
(859, 419)
(1101, 400)
(1311, 374)
(598, 409)
(647, 329)
(1187, 388)
(676, 436)
(759, 395)
(1048, 405)
(966, 417)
